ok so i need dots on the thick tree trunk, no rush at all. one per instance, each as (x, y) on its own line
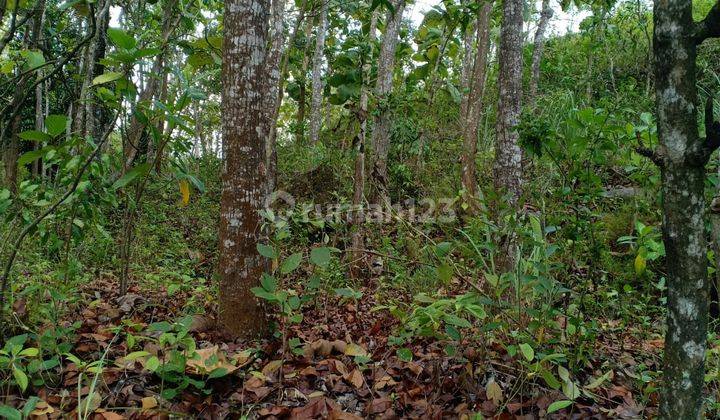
(381, 121)
(246, 127)
(317, 83)
(508, 156)
(545, 16)
(474, 104)
(682, 157)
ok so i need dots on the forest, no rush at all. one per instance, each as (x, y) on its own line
(349, 209)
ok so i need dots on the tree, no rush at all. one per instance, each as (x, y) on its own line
(245, 122)
(682, 156)
(383, 87)
(359, 173)
(507, 169)
(317, 83)
(546, 14)
(473, 104)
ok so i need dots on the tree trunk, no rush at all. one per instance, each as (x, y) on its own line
(317, 83)
(276, 60)
(302, 95)
(137, 127)
(471, 118)
(508, 156)
(383, 88)
(545, 15)
(246, 87)
(467, 66)
(682, 156)
(358, 242)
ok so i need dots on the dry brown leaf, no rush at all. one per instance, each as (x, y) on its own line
(355, 378)
(353, 349)
(494, 392)
(148, 403)
(207, 360)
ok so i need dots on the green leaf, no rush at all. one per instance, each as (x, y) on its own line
(56, 124)
(558, 405)
(20, 377)
(33, 59)
(29, 352)
(266, 251)
(453, 332)
(121, 38)
(10, 413)
(152, 364)
(30, 157)
(456, 321)
(268, 283)
(263, 294)
(405, 354)
(34, 135)
(291, 263)
(320, 256)
(108, 77)
(131, 175)
(30, 406)
(527, 351)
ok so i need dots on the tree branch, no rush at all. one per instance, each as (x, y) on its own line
(708, 27)
(700, 153)
(655, 156)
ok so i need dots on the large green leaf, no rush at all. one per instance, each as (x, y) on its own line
(108, 77)
(291, 263)
(56, 124)
(34, 135)
(121, 38)
(131, 175)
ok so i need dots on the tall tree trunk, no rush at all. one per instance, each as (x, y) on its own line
(246, 126)
(545, 16)
(276, 60)
(358, 243)
(39, 116)
(381, 122)
(302, 95)
(138, 126)
(508, 156)
(682, 156)
(317, 83)
(468, 62)
(471, 119)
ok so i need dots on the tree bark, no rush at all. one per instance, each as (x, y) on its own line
(471, 118)
(545, 15)
(381, 122)
(317, 82)
(508, 156)
(682, 156)
(246, 126)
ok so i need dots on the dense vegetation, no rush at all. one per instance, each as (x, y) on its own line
(342, 209)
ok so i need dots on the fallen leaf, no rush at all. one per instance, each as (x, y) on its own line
(148, 403)
(494, 392)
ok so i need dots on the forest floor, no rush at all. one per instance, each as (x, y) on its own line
(343, 369)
